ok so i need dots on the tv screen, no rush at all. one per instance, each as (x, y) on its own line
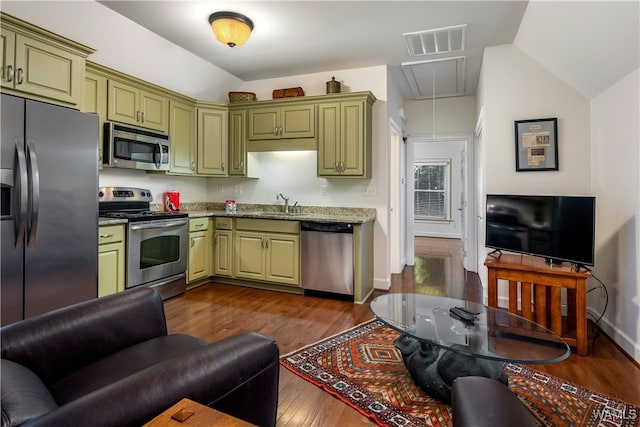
(558, 228)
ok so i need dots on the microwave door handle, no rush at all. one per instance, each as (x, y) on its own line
(34, 187)
(21, 193)
(159, 161)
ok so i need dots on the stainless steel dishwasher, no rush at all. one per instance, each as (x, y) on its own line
(327, 257)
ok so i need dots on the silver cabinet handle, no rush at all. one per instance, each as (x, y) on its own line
(193, 165)
(21, 191)
(199, 225)
(106, 236)
(34, 173)
(241, 165)
(137, 116)
(192, 242)
(20, 77)
(222, 166)
(142, 117)
(9, 73)
(267, 242)
(275, 130)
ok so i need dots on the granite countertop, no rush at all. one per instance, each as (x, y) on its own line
(307, 213)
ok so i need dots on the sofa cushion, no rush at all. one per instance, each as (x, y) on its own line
(23, 396)
(121, 365)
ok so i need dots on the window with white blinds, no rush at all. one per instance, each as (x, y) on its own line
(431, 189)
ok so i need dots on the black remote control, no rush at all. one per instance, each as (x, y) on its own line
(462, 314)
(466, 310)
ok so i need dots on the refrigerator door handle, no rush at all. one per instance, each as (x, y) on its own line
(34, 191)
(21, 193)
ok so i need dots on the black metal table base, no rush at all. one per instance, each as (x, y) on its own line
(434, 369)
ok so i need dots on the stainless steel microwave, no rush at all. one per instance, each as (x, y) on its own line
(135, 148)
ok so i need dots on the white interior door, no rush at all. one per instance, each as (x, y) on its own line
(478, 150)
(397, 193)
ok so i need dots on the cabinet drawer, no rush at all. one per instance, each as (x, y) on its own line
(224, 223)
(110, 234)
(198, 224)
(268, 225)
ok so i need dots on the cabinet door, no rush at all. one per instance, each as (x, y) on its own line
(123, 101)
(212, 142)
(329, 139)
(154, 111)
(111, 261)
(223, 244)
(237, 143)
(110, 269)
(197, 268)
(264, 123)
(283, 259)
(48, 71)
(249, 259)
(183, 138)
(95, 101)
(352, 137)
(7, 56)
(298, 121)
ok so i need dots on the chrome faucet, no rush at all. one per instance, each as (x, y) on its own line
(286, 202)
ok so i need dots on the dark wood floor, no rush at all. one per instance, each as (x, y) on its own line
(215, 311)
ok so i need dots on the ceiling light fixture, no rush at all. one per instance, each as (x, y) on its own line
(231, 28)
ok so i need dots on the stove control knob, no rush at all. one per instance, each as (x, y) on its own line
(100, 194)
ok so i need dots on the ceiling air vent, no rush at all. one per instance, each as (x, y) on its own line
(440, 40)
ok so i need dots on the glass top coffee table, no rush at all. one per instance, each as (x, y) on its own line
(437, 346)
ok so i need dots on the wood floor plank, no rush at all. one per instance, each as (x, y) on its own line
(215, 311)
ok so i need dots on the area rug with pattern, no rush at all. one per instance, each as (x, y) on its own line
(362, 368)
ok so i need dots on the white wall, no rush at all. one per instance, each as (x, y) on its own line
(425, 149)
(518, 88)
(615, 180)
(453, 117)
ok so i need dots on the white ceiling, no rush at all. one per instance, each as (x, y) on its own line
(300, 37)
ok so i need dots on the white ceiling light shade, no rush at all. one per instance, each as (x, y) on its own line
(231, 28)
(436, 41)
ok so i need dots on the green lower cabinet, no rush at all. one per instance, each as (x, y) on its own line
(223, 244)
(111, 259)
(200, 250)
(271, 257)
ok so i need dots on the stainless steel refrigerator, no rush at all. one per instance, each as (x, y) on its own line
(49, 181)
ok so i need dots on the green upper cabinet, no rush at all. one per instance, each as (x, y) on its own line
(182, 134)
(281, 125)
(213, 141)
(95, 101)
(241, 162)
(344, 136)
(135, 106)
(41, 65)
(285, 122)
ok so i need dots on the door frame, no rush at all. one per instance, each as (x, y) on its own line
(397, 197)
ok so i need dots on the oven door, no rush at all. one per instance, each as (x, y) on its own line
(157, 250)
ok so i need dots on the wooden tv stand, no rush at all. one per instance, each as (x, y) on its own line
(538, 286)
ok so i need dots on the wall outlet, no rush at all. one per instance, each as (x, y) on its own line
(324, 190)
(369, 191)
(237, 189)
(220, 188)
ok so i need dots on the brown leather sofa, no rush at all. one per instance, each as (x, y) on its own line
(110, 362)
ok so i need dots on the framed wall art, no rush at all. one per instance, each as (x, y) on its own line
(537, 145)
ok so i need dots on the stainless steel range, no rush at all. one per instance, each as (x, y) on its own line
(156, 241)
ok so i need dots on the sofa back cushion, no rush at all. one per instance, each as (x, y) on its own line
(57, 343)
(23, 397)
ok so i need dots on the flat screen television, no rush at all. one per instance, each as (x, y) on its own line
(558, 228)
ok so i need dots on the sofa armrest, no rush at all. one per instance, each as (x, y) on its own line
(56, 343)
(237, 375)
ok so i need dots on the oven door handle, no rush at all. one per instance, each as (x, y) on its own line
(159, 224)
